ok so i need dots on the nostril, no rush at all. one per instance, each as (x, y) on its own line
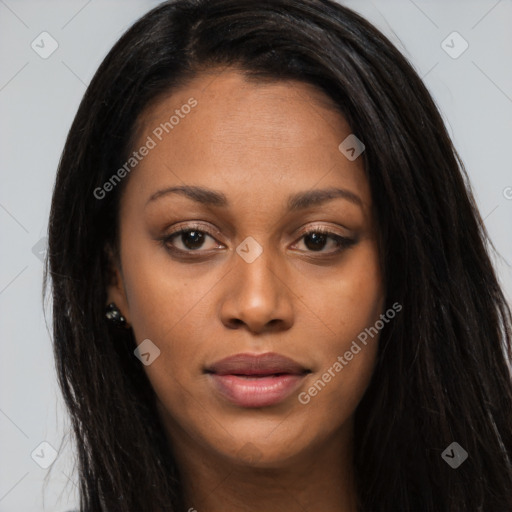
(234, 323)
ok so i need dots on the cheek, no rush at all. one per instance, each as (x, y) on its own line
(163, 295)
(164, 301)
(331, 397)
(348, 306)
(171, 309)
(350, 301)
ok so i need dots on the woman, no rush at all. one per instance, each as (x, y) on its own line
(271, 284)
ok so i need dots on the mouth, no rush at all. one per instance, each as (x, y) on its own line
(256, 380)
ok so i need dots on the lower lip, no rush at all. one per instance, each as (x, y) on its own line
(256, 391)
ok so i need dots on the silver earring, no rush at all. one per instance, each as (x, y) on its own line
(113, 315)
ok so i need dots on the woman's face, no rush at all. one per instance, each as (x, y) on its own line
(254, 274)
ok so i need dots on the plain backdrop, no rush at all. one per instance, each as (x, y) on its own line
(38, 100)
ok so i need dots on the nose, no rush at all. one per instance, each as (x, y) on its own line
(256, 296)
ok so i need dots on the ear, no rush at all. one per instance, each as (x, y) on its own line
(115, 288)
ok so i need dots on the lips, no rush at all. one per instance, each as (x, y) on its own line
(256, 364)
(256, 380)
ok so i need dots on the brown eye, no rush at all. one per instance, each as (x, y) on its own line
(319, 239)
(315, 241)
(191, 239)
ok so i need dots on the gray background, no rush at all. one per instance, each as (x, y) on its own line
(38, 100)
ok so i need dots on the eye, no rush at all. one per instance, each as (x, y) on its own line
(189, 239)
(318, 239)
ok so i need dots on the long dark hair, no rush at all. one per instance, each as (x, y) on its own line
(443, 367)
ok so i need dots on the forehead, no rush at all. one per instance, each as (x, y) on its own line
(234, 107)
(271, 135)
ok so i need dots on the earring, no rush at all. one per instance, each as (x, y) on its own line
(113, 315)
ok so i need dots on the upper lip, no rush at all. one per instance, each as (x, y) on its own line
(256, 364)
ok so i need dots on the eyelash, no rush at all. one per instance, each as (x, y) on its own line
(341, 241)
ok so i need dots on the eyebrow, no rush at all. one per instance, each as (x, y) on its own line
(298, 201)
(199, 194)
(316, 197)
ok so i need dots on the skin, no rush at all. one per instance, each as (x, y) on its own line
(256, 143)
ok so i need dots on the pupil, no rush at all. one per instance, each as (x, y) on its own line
(192, 239)
(317, 241)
